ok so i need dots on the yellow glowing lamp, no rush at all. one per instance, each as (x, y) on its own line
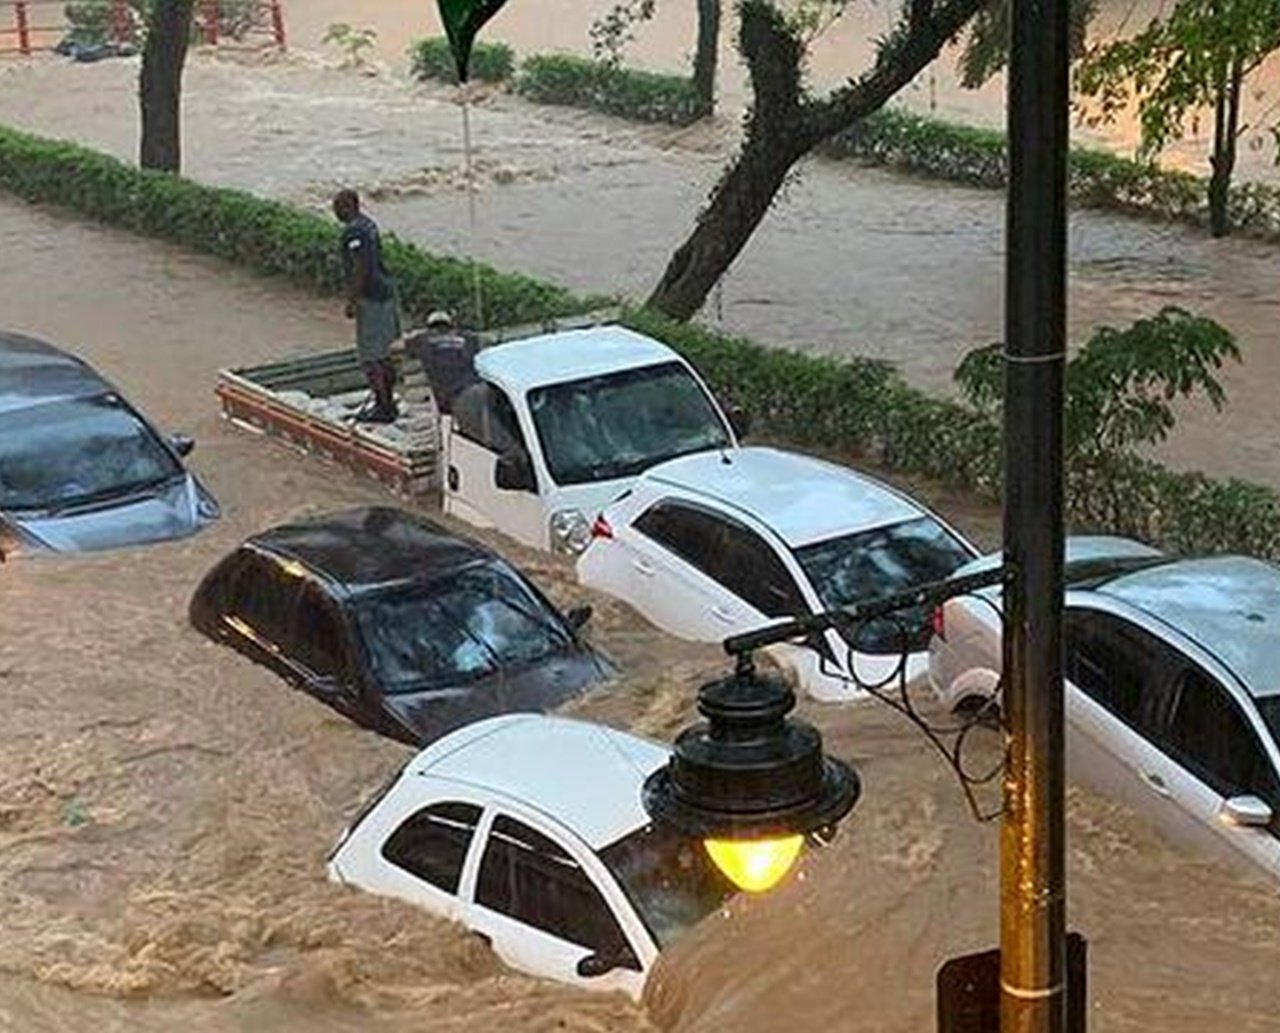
(755, 865)
(749, 783)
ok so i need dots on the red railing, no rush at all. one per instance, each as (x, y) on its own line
(30, 26)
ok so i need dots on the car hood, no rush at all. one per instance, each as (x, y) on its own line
(428, 715)
(176, 509)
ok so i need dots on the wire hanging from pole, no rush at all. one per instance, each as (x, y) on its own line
(471, 204)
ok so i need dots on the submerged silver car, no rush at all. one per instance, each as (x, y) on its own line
(1173, 686)
(81, 469)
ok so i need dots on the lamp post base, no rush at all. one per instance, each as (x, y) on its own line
(969, 991)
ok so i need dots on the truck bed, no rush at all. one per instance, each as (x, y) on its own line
(310, 402)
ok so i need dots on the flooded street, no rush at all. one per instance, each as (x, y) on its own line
(166, 806)
(851, 260)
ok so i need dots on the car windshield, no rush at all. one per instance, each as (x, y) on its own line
(620, 424)
(449, 632)
(1269, 708)
(669, 879)
(860, 567)
(61, 454)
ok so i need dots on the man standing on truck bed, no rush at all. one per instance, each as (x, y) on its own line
(372, 303)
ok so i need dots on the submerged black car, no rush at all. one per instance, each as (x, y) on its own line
(81, 469)
(395, 622)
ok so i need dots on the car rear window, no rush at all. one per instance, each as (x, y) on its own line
(68, 453)
(884, 561)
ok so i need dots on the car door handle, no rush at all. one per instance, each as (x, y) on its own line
(644, 567)
(1155, 782)
(723, 615)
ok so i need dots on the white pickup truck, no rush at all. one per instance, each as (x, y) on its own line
(552, 427)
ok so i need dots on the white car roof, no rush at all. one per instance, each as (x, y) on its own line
(586, 776)
(1078, 549)
(1229, 605)
(804, 500)
(567, 356)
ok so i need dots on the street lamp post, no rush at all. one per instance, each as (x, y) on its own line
(1033, 966)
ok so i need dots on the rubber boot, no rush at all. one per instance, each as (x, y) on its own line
(381, 377)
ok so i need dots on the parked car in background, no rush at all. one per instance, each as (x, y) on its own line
(393, 621)
(530, 831)
(556, 426)
(713, 545)
(80, 468)
(1172, 672)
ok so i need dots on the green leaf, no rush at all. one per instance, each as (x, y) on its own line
(462, 21)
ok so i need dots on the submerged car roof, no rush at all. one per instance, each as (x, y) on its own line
(33, 372)
(586, 776)
(1229, 605)
(568, 356)
(372, 547)
(804, 500)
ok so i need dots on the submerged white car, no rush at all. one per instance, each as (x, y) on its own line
(529, 829)
(713, 545)
(1172, 686)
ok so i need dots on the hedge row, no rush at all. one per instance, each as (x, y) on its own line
(966, 154)
(563, 79)
(857, 406)
(433, 59)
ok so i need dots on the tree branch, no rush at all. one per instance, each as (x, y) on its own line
(915, 42)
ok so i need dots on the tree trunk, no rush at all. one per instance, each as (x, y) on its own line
(704, 60)
(160, 84)
(736, 209)
(1226, 131)
(784, 126)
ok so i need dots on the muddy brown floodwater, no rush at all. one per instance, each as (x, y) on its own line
(166, 806)
(851, 260)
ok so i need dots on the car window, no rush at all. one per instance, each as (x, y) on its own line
(620, 424)
(457, 630)
(432, 844)
(65, 453)
(482, 413)
(262, 597)
(528, 877)
(318, 637)
(1211, 738)
(726, 551)
(1121, 667)
(750, 568)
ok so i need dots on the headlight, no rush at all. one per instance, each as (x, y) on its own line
(570, 531)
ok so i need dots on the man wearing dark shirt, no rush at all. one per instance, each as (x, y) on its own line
(372, 303)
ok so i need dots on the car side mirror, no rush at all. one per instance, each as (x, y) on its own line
(1248, 812)
(183, 444)
(514, 472)
(601, 963)
(740, 421)
(578, 617)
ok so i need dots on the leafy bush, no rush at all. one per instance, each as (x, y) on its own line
(858, 406)
(432, 59)
(603, 86)
(979, 157)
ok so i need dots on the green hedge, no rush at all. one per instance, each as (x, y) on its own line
(432, 59)
(857, 406)
(979, 157)
(583, 83)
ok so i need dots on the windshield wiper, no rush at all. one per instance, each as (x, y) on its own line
(106, 497)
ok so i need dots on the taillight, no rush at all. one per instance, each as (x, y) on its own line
(939, 621)
(601, 528)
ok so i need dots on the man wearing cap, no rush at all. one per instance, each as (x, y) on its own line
(372, 303)
(448, 359)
